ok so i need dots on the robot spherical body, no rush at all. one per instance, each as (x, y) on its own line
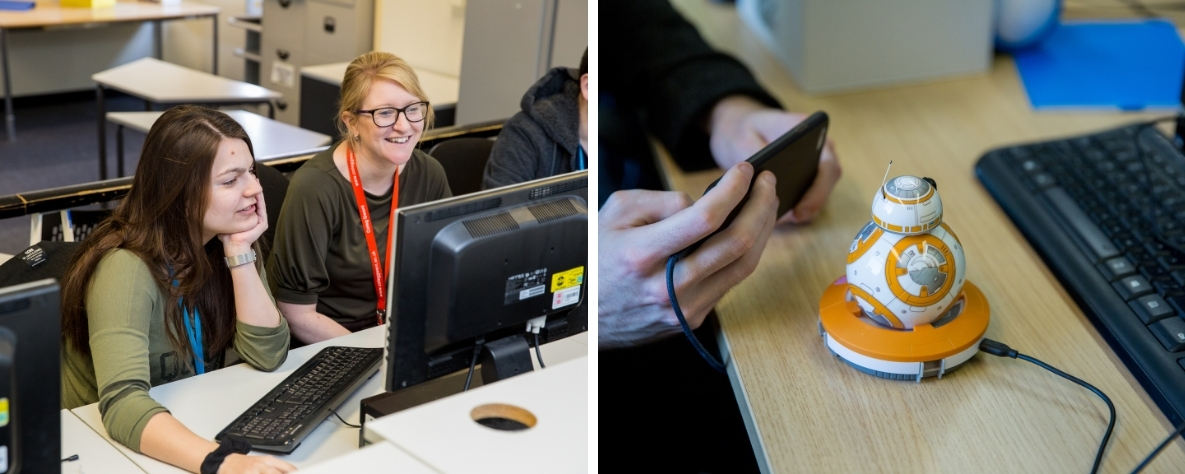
(904, 309)
(905, 267)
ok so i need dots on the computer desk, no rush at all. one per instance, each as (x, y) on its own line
(807, 411)
(95, 454)
(207, 403)
(50, 14)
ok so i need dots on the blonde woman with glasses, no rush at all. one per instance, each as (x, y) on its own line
(328, 262)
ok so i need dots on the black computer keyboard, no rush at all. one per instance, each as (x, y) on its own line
(1108, 219)
(280, 420)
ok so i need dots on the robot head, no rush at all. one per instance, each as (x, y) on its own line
(907, 205)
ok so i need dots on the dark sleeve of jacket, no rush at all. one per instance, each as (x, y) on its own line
(517, 153)
(657, 60)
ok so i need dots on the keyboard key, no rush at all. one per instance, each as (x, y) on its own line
(1170, 332)
(1118, 267)
(1152, 308)
(1167, 286)
(1132, 287)
(1100, 246)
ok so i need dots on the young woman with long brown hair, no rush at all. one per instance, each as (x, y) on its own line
(161, 289)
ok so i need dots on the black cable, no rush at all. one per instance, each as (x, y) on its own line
(1156, 451)
(1000, 349)
(344, 422)
(538, 355)
(683, 321)
(472, 364)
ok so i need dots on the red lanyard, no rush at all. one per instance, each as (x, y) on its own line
(376, 264)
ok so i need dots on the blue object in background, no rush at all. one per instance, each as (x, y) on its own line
(1022, 23)
(18, 5)
(1129, 65)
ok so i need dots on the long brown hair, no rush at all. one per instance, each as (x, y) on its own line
(160, 221)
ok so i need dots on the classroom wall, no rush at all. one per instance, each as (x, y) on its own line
(63, 60)
(43, 62)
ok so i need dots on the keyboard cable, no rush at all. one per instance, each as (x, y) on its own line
(1158, 449)
(1000, 349)
(344, 422)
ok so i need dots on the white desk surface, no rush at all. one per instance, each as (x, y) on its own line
(205, 404)
(558, 398)
(162, 82)
(378, 458)
(271, 138)
(95, 454)
(441, 89)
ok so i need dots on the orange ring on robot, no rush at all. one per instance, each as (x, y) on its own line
(867, 244)
(902, 229)
(841, 320)
(892, 272)
(877, 307)
(917, 200)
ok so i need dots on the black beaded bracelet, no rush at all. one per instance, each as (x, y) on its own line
(229, 446)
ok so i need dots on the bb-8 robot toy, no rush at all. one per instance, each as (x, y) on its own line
(904, 309)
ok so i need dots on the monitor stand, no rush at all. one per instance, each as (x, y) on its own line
(500, 359)
(505, 358)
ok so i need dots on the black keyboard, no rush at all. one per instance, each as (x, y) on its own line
(1106, 212)
(280, 420)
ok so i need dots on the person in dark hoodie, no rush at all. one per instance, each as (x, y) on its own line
(549, 136)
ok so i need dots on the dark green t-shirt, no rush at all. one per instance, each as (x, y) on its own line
(320, 256)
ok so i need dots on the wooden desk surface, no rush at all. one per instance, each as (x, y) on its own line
(51, 13)
(812, 412)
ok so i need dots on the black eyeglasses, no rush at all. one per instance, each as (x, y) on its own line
(387, 116)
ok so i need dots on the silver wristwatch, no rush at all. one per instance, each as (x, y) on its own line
(240, 259)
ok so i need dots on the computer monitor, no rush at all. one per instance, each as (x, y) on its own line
(475, 268)
(30, 378)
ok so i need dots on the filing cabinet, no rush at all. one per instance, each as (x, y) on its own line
(299, 33)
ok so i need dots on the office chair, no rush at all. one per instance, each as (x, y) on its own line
(464, 161)
(65, 225)
(275, 187)
(42, 260)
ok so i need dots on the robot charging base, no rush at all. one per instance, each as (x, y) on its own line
(925, 351)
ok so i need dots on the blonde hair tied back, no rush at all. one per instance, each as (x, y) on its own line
(361, 74)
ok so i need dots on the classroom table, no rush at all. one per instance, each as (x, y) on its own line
(96, 455)
(555, 398)
(205, 405)
(160, 82)
(50, 14)
(807, 411)
(269, 138)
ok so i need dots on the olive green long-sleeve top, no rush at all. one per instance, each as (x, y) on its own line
(130, 350)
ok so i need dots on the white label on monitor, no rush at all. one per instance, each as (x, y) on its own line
(3, 459)
(566, 297)
(529, 292)
(525, 285)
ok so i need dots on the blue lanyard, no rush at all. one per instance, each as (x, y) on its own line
(580, 158)
(193, 330)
